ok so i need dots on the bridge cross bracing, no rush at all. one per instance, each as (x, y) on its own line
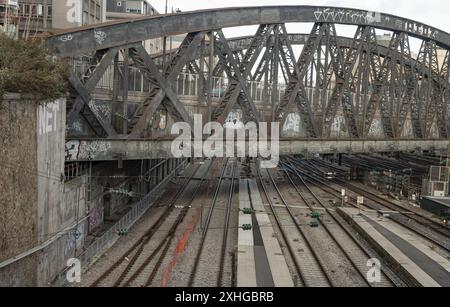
(355, 83)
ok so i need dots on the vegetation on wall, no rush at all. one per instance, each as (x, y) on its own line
(26, 67)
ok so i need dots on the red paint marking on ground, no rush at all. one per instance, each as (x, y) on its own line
(181, 246)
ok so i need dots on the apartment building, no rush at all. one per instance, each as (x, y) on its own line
(141, 7)
(36, 16)
(129, 9)
(9, 17)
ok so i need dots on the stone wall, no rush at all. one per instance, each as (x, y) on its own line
(18, 187)
(38, 212)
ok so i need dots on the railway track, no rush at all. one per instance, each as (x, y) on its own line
(418, 224)
(133, 267)
(204, 259)
(424, 220)
(356, 252)
(367, 166)
(309, 266)
(226, 229)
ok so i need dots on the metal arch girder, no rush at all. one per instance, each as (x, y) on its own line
(341, 92)
(164, 89)
(436, 102)
(445, 71)
(445, 74)
(102, 60)
(196, 69)
(237, 72)
(378, 96)
(400, 57)
(240, 75)
(429, 94)
(436, 108)
(242, 43)
(187, 47)
(219, 69)
(287, 73)
(295, 90)
(263, 66)
(113, 34)
(407, 102)
(287, 55)
(223, 64)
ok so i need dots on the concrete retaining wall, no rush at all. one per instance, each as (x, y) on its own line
(38, 211)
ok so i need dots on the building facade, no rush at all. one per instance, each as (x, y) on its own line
(37, 16)
(141, 7)
(9, 17)
(129, 9)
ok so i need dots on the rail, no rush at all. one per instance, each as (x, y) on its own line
(109, 237)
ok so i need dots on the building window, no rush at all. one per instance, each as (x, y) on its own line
(98, 12)
(134, 11)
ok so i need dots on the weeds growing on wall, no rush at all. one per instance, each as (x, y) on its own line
(27, 67)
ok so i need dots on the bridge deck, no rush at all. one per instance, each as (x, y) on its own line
(129, 149)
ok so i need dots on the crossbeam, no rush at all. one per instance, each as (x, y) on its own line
(129, 149)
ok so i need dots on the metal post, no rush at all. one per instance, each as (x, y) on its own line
(116, 78)
(165, 45)
(274, 74)
(201, 85)
(126, 77)
(210, 75)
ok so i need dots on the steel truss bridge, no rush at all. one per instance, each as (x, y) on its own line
(353, 80)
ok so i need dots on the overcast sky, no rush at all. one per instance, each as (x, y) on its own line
(433, 12)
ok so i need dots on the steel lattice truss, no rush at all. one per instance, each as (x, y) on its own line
(354, 79)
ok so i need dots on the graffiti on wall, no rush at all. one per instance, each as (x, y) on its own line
(338, 127)
(100, 36)
(95, 217)
(346, 15)
(101, 110)
(48, 118)
(74, 240)
(66, 38)
(368, 17)
(90, 150)
(94, 148)
(417, 28)
(72, 148)
(292, 123)
(376, 129)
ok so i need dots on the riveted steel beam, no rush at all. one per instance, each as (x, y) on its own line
(237, 89)
(84, 88)
(295, 90)
(101, 36)
(162, 93)
(343, 72)
(162, 90)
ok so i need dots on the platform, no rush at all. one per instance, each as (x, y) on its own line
(267, 240)
(411, 255)
(246, 267)
(260, 259)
